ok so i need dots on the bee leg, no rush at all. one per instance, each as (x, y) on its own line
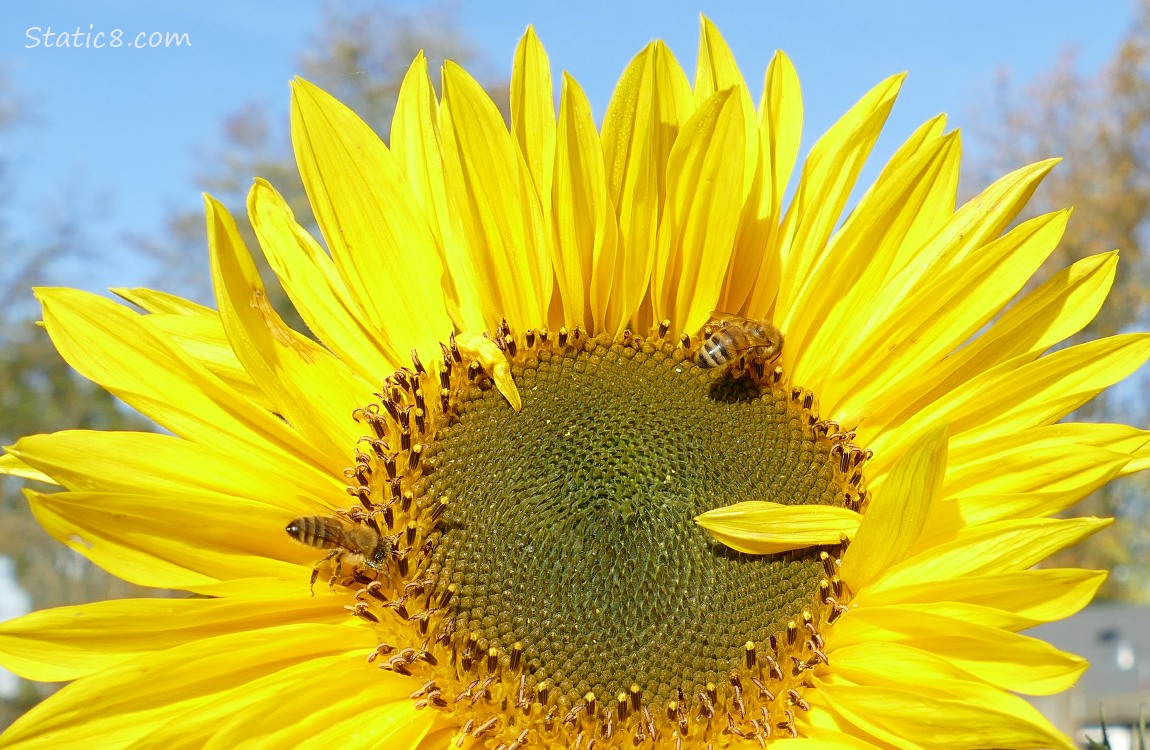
(336, 572)
(318, 565)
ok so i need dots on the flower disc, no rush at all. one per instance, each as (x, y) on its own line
(549, 557)
(570, 525)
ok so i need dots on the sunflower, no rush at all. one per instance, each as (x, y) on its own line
(592, 444)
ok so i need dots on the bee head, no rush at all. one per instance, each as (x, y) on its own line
(378, 557)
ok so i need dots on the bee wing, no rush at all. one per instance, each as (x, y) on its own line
(722, 319)
(332, 532)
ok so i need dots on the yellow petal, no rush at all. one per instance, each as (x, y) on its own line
(1035, 472)
(1015, 396)
(202, 338)
(957, 513)
(704, 199)
(1059, 458)
(874, 243)
(764, 528)
(1123, 439)
(781, 123)
(1053, 312)
(415, 144)
(311, 706)
(1041, 595)
(143, 539)
(828, 177)
(979, 221)
(1009, 661)
(897, 512)
(484, 350)
(756, 267)
(378, 235)
(533, 114)
(125, 354)
(11, 465)
(817, 738)
(987, 215)
(165, 465)
(1001, 547)
(415, 141)
(200, 727)
(976, 223)
(305, 383)
(650, 102)
(488, 184)
(862, 664)
(197, 330)
(947, 311)
(923, 137)
(68, 643)
(934, 208)
(313, 284)
(297, 584)
(586, 257)
(752, 243)
(716, 70)
(981, 717)
(995, 618)
(1139, 462)
(120, 706)
(161, 302)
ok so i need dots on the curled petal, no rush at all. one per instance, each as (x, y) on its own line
(758, 527)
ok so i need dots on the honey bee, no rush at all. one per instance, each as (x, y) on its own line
(358, 544)
(737, 337)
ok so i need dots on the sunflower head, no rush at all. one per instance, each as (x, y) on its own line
(596, 445)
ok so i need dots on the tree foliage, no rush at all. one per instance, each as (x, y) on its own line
(1100, 125)
(40, 393)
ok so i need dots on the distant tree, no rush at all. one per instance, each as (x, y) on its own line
(40, 393)
(1101, 126)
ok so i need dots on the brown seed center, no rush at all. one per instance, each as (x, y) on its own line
(569, 526)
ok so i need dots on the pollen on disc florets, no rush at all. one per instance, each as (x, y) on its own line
(547, 583)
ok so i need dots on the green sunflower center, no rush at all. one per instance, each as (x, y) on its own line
(569, 526)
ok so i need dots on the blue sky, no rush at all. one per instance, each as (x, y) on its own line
(124, 128)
